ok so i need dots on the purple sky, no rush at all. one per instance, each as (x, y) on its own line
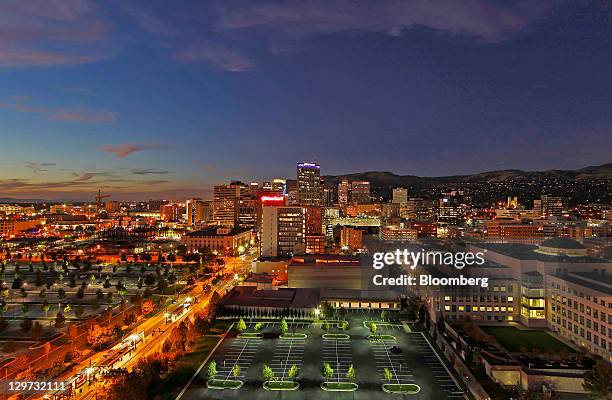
(163, 99)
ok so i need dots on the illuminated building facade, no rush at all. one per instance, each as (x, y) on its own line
(283, 231)
(309, 192)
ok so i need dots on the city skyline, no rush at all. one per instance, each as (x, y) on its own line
(156, 100)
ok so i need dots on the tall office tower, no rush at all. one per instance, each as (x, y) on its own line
(512, 202)
(309, 184)
(279, 186)
(451, 211)
(253, 188)
(344, 189)
(328, 196)
(360, 192)
(400, 196)
(170, 212)
(198, 211)
(276, 187)
(282, 231)
(552, 205)
(156, 205)
(112, 206)
(247, 212)
(226, 201)
(416, 208)
(315, 238)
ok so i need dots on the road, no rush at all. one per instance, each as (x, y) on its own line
(157, 328)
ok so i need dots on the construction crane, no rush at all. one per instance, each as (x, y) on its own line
(99, 198)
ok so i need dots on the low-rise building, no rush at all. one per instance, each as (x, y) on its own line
(222, 240)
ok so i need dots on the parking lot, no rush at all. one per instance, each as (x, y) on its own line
(240, 352)
(338, 354)
(415, 362)
(288, 352)
(431, 360)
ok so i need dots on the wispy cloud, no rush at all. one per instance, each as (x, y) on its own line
(79, 114)
(51, 32)
(150, 171)
(39, 166)
(125, 149)
(486, 20)
(217, 55)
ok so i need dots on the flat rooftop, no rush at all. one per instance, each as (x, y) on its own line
(591, 280)
(526, 252)
(217, 231)
(323, 260)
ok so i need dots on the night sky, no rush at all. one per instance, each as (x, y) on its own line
(164, 99)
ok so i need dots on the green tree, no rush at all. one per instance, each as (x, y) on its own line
(212, 369)
(258, 326)
(293, 371)
(283, 326)
(344, 326)
(327, 371)
(268, 373)
(342, 312)
(236, 371)
(241, 326)
(327, 310)
(384, 314)
(351, 374)
(45, 308)
(598, 381)
(373, 328)
(388, 374)
(325, 326)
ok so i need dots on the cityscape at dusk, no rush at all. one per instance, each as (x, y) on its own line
(342, 199)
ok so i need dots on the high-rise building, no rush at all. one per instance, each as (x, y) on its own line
(198, 211)
(344, 188)
(253, 188)
(451, 211)
(226, 201)
(112, 206)
(309, 191)
(351, 238)
(170, 212)
(315, 238)
(360, 192)
(156, 205)
(247, 212)
(552, 205)
(276, 187)
(328, 196)
(282, 231)
(400, 196)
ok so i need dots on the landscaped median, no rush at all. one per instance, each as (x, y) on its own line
(220, 384)
(339, 386)
(293, 336)
(280, 385)
(384, 338)
(336, 336)
(401, 388)
(250, 335)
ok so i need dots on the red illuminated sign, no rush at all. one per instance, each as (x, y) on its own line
(273, 200)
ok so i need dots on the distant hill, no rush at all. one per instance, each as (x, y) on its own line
(389, 179)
